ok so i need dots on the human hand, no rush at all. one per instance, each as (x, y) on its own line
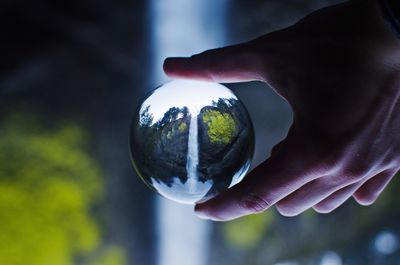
(339, 69)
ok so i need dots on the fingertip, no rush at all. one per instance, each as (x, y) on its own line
(202, 215)
(370, 191)
(364, 199)
(287, 212)
(201, 212)
(323, 209)
(174, 65)
(220, 208)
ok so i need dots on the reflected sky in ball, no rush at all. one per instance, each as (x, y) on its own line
(170, 94)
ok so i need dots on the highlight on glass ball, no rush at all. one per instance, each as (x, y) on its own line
(191, 140)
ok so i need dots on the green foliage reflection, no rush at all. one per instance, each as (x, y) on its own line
(221, 126)
(48, 187)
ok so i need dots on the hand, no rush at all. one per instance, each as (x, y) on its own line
(339, 69)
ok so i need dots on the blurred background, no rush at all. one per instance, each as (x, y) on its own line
(72, 75)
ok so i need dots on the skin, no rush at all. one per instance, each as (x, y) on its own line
(339, 69)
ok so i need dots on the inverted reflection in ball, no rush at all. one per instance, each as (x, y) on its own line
(190, 140)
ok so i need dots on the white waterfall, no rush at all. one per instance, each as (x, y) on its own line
(193, 154)
(182, 28)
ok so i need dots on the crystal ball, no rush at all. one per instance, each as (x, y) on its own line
(191, 140)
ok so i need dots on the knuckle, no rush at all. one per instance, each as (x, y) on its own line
(350, 161)
(196, 58)
(203, 59)
(356, 164)
(254, 203)
(250, 57)
(325, 164)
(356, 171)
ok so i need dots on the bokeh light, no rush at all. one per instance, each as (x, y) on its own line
(386, 243)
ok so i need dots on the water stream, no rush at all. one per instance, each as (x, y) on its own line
(183, 28)
(193, 154)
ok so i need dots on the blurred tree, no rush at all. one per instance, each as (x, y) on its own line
(171, 115)
(247, 232)
(225, 104)
(48, 187)
(110, 256)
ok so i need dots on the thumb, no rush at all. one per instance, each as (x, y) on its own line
(237, 63)
(268, 183)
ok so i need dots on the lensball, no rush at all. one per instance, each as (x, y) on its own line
(191, 140)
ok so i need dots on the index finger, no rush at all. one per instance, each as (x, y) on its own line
(237, 63)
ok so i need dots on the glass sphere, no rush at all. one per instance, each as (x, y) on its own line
(190, 140)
